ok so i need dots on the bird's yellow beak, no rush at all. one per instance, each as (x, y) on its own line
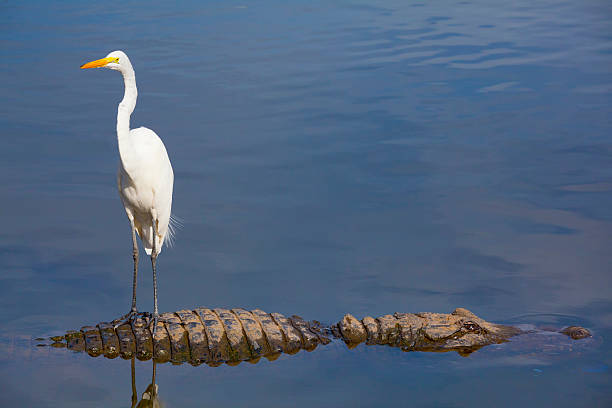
(100, 63)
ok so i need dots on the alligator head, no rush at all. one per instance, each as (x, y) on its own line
(460, 331)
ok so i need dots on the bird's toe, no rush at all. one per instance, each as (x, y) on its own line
(127, 318)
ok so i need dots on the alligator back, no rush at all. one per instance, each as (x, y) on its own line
(217, 336)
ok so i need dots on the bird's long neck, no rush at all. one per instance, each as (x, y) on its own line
(126, 107)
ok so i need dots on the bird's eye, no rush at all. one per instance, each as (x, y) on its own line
(471, 326)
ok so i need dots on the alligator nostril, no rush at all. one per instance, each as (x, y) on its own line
(576, 332)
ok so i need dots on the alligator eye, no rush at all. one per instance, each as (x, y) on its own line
(471, 326)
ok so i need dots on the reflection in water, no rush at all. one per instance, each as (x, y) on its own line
(150, 397)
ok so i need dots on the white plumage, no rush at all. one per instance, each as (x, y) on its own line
(145, 185)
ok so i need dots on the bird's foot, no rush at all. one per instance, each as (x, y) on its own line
(128, 318)
(153, 319)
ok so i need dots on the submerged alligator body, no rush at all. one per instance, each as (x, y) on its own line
(217, 336)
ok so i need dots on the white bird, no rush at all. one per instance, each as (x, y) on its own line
(145, 178)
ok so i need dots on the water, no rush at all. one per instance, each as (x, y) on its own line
(330, 157)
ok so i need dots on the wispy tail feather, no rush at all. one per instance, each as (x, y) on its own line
(174, 225)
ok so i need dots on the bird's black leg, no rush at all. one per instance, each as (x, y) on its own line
(154, 264)
(133, 313)
(135, 256)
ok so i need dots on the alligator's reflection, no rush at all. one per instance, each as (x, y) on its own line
(150, 397)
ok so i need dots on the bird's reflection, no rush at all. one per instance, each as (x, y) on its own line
(150, 397)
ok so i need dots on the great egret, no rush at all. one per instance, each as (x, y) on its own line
(145, 177)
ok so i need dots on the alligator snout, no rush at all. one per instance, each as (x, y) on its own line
(576, 332)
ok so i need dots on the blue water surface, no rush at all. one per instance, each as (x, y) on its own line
(329, 157)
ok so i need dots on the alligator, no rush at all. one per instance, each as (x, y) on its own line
(217, 336)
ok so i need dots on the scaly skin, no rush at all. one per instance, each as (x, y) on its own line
(216, 336)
